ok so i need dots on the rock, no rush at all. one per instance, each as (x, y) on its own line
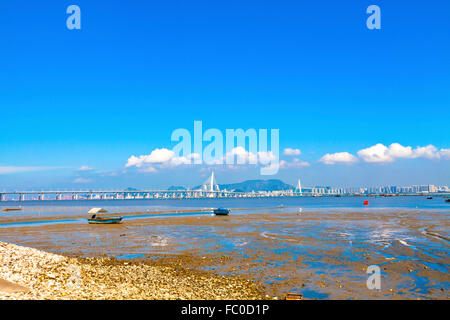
(10, 287)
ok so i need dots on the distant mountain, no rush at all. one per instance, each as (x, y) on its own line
(174, 188)
(254, 185)
(244, 186)
(257, 185)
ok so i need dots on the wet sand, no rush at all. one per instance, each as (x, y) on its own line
(323, 254)
(48, 217)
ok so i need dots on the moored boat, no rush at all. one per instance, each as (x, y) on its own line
(221, 212)
(104, 220)
(294, 296)
(11, 209)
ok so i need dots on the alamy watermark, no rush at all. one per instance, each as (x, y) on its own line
(374, 279)
(374, 20)
(236, 146)
(73, 22)
(75, 281)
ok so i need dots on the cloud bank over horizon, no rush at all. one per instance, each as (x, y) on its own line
(379, 153)
(373, 163)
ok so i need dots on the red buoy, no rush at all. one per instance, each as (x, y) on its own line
(366, 202)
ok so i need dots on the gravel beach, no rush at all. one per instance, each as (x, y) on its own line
(52, 276)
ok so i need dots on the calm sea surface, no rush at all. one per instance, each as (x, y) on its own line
(63, 208)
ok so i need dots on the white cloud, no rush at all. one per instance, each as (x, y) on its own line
(292, 152)
(85, 168)
(15, 169)
(82, 180)
(158, 158)
(193, 156)
(241, 155)
(164, 158)
(445, 153)
(381, 153)
(429, 152)
(266, 157)
(339, 157)
(376, 153)
(176, 161)
(295, 163)
(396, 150)
(148, 169)
(108, 173)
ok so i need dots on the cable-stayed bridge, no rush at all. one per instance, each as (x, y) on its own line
(141, 194)
(209, 189)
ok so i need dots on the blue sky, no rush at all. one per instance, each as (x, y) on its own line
(137, 70)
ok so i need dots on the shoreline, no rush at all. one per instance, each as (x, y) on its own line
(52, 276)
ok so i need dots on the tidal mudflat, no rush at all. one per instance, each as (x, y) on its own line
(321, 253)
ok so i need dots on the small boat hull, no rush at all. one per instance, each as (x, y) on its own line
(294, 296)
(105, 220)
(221, 212)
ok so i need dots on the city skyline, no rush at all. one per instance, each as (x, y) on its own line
(211, 184)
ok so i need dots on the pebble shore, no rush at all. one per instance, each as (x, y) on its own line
(52, 276)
